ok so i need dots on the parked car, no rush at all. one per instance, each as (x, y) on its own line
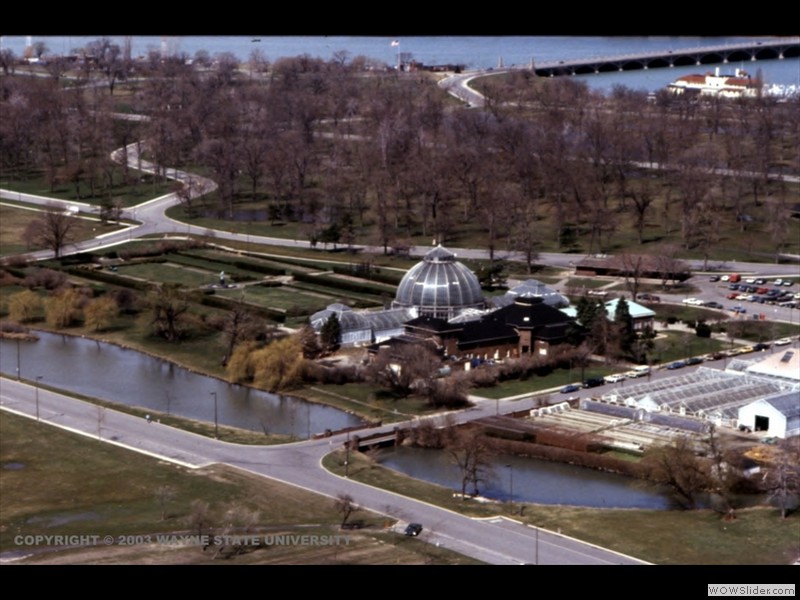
(593, 382)
(725, 278)
(568, 389)
(760, 347)
(761, 281)
(788, 282)
(678, 364)
(713, 305)
(695, 360)
(413, 529)
(783, 342)
(714, 278)
(615, 378)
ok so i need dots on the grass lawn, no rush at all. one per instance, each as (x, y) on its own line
(15, 219)
(281, 298)
(756, 536)
(535, 384)
(65, 484)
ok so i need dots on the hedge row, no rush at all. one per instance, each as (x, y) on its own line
(110, 278)
(358, 287)
(387, 277)
(238, 264)
(228, 303)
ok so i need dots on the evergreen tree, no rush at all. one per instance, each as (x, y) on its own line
(330, 334)
(623, 322)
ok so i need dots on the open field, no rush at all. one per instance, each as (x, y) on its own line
(65, 484)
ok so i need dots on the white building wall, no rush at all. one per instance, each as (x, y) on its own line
(759, 408)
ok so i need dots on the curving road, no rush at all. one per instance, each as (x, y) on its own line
(495, 541)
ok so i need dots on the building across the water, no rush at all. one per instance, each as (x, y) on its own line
(740, 84)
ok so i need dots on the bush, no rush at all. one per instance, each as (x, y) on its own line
(703, 329)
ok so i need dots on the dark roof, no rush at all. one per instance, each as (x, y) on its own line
(531, 313)
(485, 331)
(432, 324)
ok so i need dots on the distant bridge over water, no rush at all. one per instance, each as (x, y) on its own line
(765, 49)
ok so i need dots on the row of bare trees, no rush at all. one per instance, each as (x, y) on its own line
(324, 142)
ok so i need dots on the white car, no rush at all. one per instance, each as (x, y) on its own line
(692, 301)
(783, 342)
(615, 378)
(750, 280)
(725, 278)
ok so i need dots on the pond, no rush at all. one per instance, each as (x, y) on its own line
(133, 378)
(532, 480)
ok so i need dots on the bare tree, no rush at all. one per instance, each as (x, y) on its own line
(200, 516)
(400, 367)
(345, 506)
(164, 494)
(783, 478)
(678, 466)
(53, 229)
(168, 307)
(470, 452)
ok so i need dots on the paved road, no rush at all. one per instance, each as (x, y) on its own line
(495, 541)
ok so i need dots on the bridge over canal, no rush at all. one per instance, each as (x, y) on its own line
(757, 49)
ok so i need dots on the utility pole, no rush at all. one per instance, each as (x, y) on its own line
(38, 379)
(216, 426)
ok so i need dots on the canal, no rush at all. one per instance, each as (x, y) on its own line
(133, 378)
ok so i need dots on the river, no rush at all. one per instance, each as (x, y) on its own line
(132, 378)
(475, 52)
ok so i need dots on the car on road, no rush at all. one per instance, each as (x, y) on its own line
(695, 360)
(615, 378)
(714, 278)
(413, 529)
(739, 309)
(760, 347)
(783, 342)
(593, 382)
(692, 301)
(568, 389)
(678, 364)
(713, 305)
(639, 371)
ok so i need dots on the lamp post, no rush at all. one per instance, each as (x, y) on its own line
(216, 426)
(38, 379)
(511, 487)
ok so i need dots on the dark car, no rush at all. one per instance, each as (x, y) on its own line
(568, 389)
(413, 529)
(678, 364)
(714, 278)
(694, 360)
(593, 382)
(760, 347)
(713, 305)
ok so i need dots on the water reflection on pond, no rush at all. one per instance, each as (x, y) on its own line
(136, 379)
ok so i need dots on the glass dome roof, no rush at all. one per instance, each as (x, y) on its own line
(439, 286)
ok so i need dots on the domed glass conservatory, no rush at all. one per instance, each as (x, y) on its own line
(439, 286)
